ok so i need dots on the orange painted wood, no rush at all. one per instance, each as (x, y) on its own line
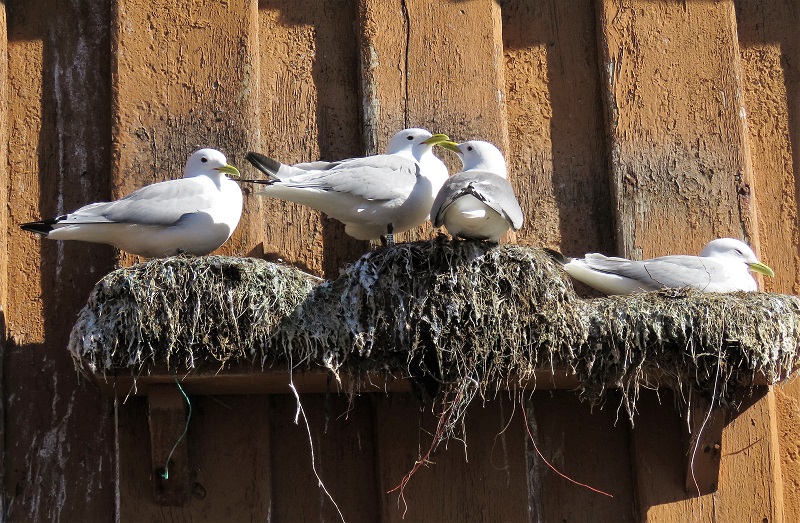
(419, 72)
(344, 455)
(658, 453)
(590, 446)
(59, 447)
(682, 175)
(704, 449)
(679, 162)
(4, 184)
(770, 45)
(183, 78)
(309, 110)
(486, 481)
(228, 448)
(555, 125)
(255, 381)
(167, 418)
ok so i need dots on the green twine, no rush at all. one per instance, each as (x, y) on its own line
(165, 474)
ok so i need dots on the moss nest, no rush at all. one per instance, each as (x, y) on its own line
(185, 312)
(462, 317)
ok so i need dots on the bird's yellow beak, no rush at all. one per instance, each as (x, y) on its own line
(444, 141)
(763, 269)
(229, 170)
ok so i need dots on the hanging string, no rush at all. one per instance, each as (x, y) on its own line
(165, 474)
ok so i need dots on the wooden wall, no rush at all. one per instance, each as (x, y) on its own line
(635, 127)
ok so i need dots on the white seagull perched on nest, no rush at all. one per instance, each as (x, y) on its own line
(724, 265)
(477, 203)
(375, 196)
(194, 215)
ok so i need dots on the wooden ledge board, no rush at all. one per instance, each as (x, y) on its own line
(257, 381)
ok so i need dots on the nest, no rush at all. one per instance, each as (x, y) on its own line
(462, 318)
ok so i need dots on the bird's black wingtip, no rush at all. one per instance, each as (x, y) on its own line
(263, 163)
(41, 227)
(557, 256)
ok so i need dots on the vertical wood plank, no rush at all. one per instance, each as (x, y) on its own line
(342, 435)
(229, 457)
(586, 446)
(169, 465)
(679, 162)
(682, 175)
(419, 72)
(770, 47)
(488, 482)
(184, 76)
(556, 127)
(4, 184)
(309, 110)
(59, 462)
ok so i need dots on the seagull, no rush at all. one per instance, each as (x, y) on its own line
(375, 196)
(478, 202)
(193, 215)
(724, 265)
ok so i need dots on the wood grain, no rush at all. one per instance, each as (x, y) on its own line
(58, 447)
(682, 175)
(344, 453)
(184, 77)
(590, 446)
(679, 162)
(309, 110)
(556, 129)
(770, 47)
(419, 72)
(229, 469)
(4, 139)
(484, 481)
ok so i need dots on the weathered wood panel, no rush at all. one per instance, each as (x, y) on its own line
(555, 120)
(676, 126)
(344, 454)
(309, 110)
(229, 462)
(4, 184)
(770, 47)
(58, 448)
(418, 72)
(486, 481)
(586, 446)
(184, 77)
(682, 176)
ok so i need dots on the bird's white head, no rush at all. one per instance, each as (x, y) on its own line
(415, 142)
(732, 249)
(477, 155)
(208, 162)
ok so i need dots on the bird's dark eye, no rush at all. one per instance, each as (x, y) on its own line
(469, 148)
(204, 159)
(409, 137)
(740, 253)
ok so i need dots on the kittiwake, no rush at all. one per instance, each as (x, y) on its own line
(478, 202)
(375, 196)
(724, 265)
(194, 215)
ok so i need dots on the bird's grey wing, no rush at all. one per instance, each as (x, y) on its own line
(380, 177)
(667, 271)
(159, 204)
(492, 190)
(317, 166)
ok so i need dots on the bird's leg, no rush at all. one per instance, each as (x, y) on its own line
(390, 235)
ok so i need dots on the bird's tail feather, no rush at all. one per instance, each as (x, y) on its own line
(557, 256)
(41, 227)
(266, 165)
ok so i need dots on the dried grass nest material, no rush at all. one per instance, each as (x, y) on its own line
(467, 316)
